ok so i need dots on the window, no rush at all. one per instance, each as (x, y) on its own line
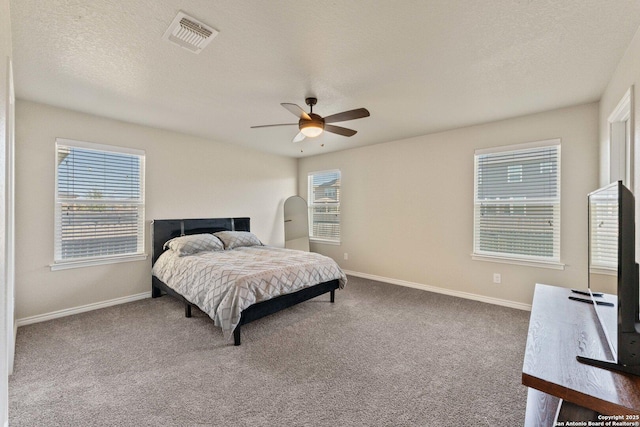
(514, 173)
(517, 203)
(603, 231)
(324, 206)
(99, 204)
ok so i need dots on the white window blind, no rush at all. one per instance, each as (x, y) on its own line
(603, 229)
(324, 205)
(99, 201)
(517, 202)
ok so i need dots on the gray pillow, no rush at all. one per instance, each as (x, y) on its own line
(237, 239)
(194, 243)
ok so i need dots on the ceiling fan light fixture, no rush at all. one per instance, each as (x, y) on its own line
(311, 129)
(312, 125)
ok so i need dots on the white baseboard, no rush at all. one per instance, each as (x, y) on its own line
(459, 294)
(95, 306)
(76, 310)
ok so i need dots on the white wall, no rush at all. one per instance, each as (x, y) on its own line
(6, 311)
(407, 206)
(627, 74)
(186, 177)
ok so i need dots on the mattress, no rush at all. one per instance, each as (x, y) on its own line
(223, 283)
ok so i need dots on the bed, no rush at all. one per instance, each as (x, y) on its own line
(262, 280)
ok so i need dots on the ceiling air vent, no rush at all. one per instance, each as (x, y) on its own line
(189, 33)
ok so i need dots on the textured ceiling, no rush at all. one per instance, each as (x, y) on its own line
(419, 66)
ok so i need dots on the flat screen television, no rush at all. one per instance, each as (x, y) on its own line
(612, 254)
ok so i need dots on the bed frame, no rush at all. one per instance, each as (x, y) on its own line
(166, 229)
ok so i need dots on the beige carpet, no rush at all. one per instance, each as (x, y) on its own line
(382, 355)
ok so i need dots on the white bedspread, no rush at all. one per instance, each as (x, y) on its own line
(223, 283)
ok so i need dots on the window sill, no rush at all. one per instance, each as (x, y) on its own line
(526, 262)
(604, 271)
(65, 265)
(325, 242)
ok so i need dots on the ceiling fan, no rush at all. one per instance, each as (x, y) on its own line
(312, 125)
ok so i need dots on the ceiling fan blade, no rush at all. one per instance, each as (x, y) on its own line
(358, 113)
(268, 126)
(299, 137)
(340, 130)
(296, 111)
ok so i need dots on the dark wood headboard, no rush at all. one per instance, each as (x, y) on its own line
(163, 230)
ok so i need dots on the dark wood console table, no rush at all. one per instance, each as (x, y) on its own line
(560, 387)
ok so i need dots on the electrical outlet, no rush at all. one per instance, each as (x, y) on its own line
(346, 256)
(497, 278)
